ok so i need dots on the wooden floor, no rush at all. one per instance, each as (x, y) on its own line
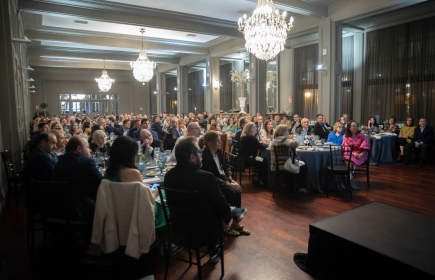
(279, 226)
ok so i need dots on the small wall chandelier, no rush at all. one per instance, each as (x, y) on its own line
(265, 31)
(104, 82)
(143, 67)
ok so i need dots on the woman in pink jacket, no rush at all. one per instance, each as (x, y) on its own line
(361, 146)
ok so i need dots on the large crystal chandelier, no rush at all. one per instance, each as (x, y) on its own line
(143, 67)
(104, 82)
(265, 31)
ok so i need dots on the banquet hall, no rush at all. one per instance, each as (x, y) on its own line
(363, 59)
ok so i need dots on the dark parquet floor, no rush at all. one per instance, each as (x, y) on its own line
(279, 226)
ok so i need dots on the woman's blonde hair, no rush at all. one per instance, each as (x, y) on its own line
(336, 125)
(96, 134)
(280, 130)
(247, 129)
(210, 137)
(53, 124)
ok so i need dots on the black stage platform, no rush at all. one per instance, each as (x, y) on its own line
(373, 241)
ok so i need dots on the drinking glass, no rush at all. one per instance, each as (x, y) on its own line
(161, 164)
(140, 165)
(112, 136)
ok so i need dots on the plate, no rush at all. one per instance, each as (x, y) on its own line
(152, 173)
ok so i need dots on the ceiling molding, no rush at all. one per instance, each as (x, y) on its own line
(111, 42)
(301, 7)
(133, 15)
(40, 62)
(81, 32)
(101, 55)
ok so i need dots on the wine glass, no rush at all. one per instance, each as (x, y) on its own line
(161, 164)
(140, 165)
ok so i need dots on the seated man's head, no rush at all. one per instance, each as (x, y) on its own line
(145, 135)
(305, 123)
(193, 129)
(43, 127)
(79, 146)
(46, 142)
(188, 152)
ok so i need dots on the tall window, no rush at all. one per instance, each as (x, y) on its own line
(399, 75)
(88, 104)
(227, 87)
(306, 81)
(196, 91)
(347, 76)
(171, 94)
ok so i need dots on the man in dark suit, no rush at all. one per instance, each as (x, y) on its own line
(80, 172)
(102, 122)
(157, 127)
(187, 176)
(320, 129)
(39, 166)
(295, 123)
(42, 128)
(305, 128)
(423, 140)
(124, 130)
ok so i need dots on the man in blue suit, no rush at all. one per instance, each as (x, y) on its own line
(39, 166)
(423, 141)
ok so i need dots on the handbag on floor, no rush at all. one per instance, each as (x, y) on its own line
(293, 164)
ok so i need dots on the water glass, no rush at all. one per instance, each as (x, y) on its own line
(161, 164)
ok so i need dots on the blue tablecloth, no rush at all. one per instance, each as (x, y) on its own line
(382, 149)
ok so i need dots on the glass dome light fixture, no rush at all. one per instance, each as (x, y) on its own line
(104, 82)
(265, 31)
(143, 67)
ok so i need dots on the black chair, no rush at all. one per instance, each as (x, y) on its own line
(236, 165)
(58, 216)
(13, 178)
(365, 166)
(339, 168)
(282, 154)
(182, 223)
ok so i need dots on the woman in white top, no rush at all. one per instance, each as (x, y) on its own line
(266, 133)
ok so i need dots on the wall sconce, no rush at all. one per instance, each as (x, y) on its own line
(308, 94)
(37, 107)
(320, 67)
(32, 86)
(217, 84)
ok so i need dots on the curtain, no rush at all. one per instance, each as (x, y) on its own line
(399, 73)
(347, 76)
(226, 92)
(306, 81)
(195, 95)
(171, 95)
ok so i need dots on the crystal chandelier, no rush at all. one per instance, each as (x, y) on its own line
(105, 82)
(143, 67)
(265, 31)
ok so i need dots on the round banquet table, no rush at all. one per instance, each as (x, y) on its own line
(316, 161)
(382, 148)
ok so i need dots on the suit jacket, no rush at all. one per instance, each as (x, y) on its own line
(131, 131)
(208, 164)
(213, 209)
(299, 130)
(320, 130)
(158, 129)
(108, 129)
(426, 137)
(38, 166)
(84, 178)
(118, 131)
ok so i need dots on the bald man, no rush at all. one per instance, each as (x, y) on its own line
(193, 129)
(305, 129)
(147, 139)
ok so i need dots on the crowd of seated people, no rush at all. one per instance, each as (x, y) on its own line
(64, 154)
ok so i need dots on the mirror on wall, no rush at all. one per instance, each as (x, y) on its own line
(229, 91)
(271, 86)
(171, 91)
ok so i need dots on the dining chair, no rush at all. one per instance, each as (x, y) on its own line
(181, 210)
(236, 165)
(339, 167)
(365, 166)
(13, 179)
(282, 154)
(57, 210)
